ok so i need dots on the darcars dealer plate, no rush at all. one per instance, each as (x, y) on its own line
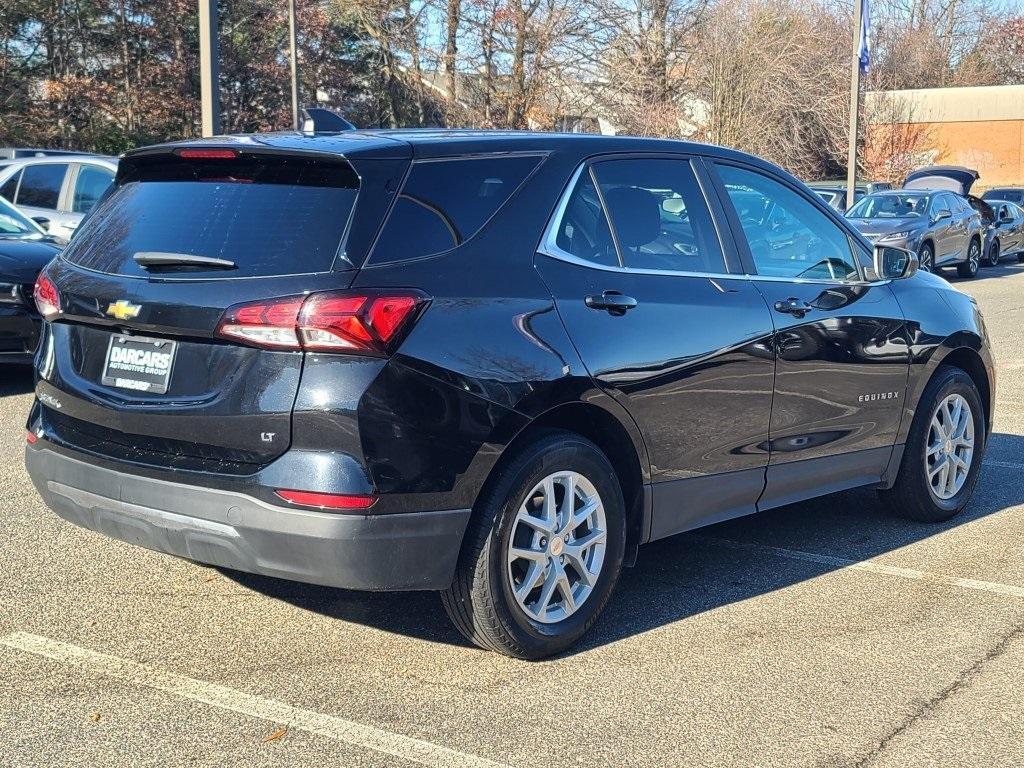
(139, 364)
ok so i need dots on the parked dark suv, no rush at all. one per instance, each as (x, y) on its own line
(490, 364)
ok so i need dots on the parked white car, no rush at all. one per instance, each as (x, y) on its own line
(57, 191)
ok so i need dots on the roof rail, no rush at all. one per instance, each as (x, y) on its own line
(319, 120)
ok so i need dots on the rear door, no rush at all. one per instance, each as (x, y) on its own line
(649, 293)
(840, 343)
(133, 366)
(86, 185)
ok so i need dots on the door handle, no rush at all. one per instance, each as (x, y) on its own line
(793, 306)
(612, 302)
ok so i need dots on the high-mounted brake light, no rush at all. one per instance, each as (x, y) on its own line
(47, 297)
(365, 323)
(327, 500)
(207, 154)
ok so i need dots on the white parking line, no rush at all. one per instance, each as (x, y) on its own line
(870, 566)
(1006, 464)
(405, 747)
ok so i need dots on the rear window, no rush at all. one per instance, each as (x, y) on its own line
(270, 215)
(443, 203)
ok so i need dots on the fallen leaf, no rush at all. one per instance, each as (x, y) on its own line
(210, 578)
(95, 717)
(278, 734)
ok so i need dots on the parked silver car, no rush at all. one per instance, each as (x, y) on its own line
(1006, 237)
(930, 215)
(57, 191)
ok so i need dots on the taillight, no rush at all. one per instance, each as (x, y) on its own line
(366, 323)
(47, 298)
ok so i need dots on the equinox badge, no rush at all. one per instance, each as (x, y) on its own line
(123, 310)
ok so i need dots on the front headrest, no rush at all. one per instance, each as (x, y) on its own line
(636, 213)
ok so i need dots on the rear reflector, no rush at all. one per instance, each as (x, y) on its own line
(364, 323)
(47, 297)
(207, 154)
(30, 437)
(327, 500)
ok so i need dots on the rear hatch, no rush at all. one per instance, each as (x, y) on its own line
(134, 368)
(952, 178)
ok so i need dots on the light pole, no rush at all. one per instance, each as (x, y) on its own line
(294, 60)
(209, 67)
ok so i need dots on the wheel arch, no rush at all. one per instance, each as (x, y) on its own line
(617, 436)
(970, 362)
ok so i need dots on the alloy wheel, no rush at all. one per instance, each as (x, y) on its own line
(950, 448)
(994, 254)
(557, 547)
(974, 255)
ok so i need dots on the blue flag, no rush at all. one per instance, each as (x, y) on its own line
(865, 36)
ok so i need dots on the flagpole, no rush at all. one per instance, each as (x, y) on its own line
(851, 160)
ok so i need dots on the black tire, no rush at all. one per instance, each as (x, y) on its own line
(969, 268)
(926, 258)
(912, 496)
(994, 254)
(480, 601)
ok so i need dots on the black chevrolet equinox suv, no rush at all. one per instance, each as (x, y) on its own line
(489, 364)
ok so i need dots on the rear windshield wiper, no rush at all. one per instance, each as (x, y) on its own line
(160, 259)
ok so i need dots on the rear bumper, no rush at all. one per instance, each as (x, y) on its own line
(410, 551)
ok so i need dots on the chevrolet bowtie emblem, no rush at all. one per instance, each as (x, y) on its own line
(123, 310)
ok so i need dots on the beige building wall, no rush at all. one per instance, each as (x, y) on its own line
(981, 128)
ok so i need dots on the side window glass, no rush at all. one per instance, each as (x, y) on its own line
(89, 187)
(443, 203)
(583, 229)
(10, 187)
(788, 236)
(659, 215)
(40, 185)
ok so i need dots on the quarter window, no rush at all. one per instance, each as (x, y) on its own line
(10, 187)
(788, 235)
(40, 185)
(90, 185)
(583, 229)
(443, 203)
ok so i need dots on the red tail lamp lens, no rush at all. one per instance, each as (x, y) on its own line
(327, 500)
(47, 298)
(207, 154)
(368, 323)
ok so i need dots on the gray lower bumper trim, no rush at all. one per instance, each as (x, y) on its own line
(232, 530)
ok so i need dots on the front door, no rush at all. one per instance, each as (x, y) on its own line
(841, 352)
(639, 276)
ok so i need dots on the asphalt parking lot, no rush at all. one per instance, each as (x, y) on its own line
(822, 634)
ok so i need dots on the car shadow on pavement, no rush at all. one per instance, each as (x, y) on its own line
(691, 573)
(15, 380)
(1008, 266)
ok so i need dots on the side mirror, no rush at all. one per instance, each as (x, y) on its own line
(42, 221)
(894, 263)
(945, 213)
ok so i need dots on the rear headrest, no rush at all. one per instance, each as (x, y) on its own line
(636, 213)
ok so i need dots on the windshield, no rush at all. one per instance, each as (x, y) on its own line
(890, 206)
(14, 224)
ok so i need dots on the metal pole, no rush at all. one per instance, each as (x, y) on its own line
(294, 56)
(209, 74)
(851, 160)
